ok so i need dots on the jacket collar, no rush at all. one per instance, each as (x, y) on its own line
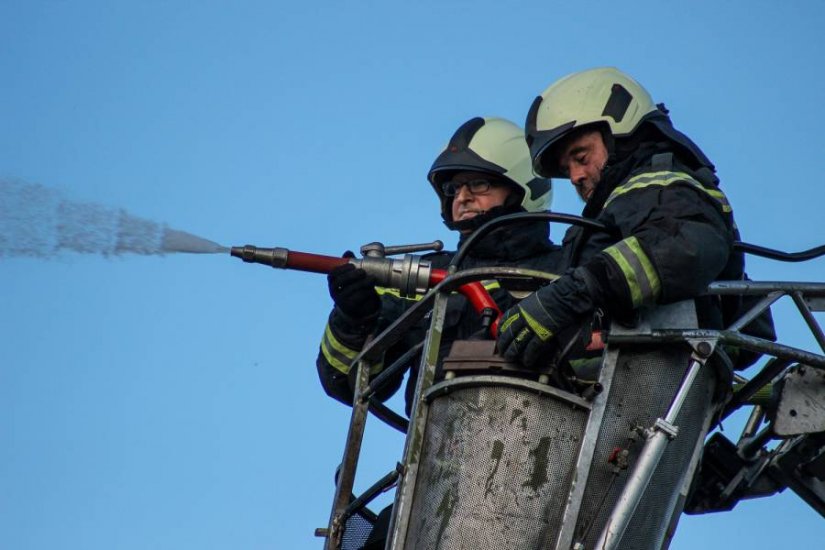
(617, 171)
(512, 242)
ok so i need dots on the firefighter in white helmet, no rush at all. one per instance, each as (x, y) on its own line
(637, 174)
(492, 150)
(485, 171)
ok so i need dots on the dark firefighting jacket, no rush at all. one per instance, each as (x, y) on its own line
(673, 234)
(524, 245)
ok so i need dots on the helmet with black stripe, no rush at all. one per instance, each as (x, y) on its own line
(606, 99)
(497, 147)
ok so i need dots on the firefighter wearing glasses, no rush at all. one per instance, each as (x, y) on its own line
(636, 173)
(484, 172)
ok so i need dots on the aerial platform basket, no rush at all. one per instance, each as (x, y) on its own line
(506, 462)
(493, 460)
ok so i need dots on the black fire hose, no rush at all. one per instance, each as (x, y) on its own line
(589, 223)
(756, 250)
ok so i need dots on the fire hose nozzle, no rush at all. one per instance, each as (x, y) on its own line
(275, 257)
(284, 258)
(410, 275)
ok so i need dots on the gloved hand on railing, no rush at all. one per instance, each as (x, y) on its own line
(528, 330)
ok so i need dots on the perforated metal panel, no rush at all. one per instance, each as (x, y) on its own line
(356, 532)
(498, 460)
(496, 469)
(644, 385)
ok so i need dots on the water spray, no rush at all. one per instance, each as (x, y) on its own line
(36, 221)
(410, 275)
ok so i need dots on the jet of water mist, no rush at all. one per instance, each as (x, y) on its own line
(175, 240)
(37, 221)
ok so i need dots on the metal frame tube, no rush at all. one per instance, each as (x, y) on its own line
(381, 380)
(756, 310)
(757, 288)
(388, 416)
(369, 495)
(768, 373)
(660, 435)
(748, 447)
(752, 343)
(813, 325)
(585, 458)
(349, 463)
(399, 523)
(754, 421)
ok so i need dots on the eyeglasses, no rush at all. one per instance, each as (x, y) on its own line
(476, 187)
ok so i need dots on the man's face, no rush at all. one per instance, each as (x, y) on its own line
(468, 204)
(583, 157)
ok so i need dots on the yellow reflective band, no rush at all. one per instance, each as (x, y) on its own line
(522, 335)
(337, 354)
(340, 356)
(648, 179)
(349, 353)
(541, 331)
(641, 277)
(629, 275)
(508, 321)
(491, 285)
(333, 360)
(666, 178)
(395, 292)
(647, 266)
(721, 199)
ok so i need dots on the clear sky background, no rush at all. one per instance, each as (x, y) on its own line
(172, 402)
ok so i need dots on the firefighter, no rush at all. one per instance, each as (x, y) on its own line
(484, 172)
(636, 173)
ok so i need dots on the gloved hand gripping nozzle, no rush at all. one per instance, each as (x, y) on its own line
(410, 275)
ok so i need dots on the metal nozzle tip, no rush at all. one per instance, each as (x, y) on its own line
(246, 252)
(273, 257)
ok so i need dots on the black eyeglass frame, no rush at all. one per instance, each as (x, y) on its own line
(478, 186)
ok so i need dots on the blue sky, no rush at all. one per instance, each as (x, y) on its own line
(172, 402)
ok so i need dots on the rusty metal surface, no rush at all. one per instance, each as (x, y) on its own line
(349, 462)
(418, 421)
(497, 462)
(479, 356)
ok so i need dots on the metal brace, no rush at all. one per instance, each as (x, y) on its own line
(670, 430)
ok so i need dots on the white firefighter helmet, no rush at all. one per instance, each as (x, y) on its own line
(495, 146)
(604, 98)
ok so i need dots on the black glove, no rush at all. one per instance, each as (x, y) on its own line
(353, 291)
(528, 330)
